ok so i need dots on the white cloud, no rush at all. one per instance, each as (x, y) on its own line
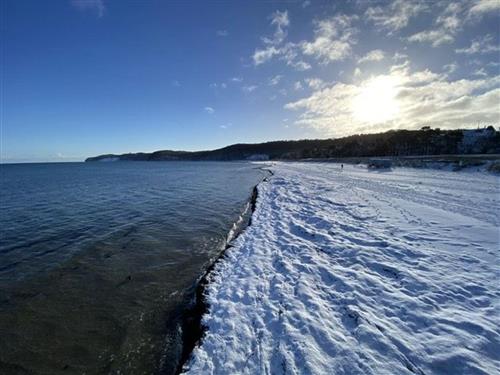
(375, 55)
(176, 83)
(435, 37)
(92, 5)
(396, 15)
(306, 3)
(222, 33)
(287, 53)
(315, 83)
(484, 6)
(281, 21)
(399, 56)
(290, 54)
(249, 88)
(237, 79)
(209, 110)
(480, 46)
(298, 86)
(480, 73)
(421, 97)
(449, 19)
(273, 81)
(333, 39)
(299, 65)
(260, 56)
(447, 25)
(450, 68)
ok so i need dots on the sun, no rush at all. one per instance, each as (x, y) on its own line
(377, 100)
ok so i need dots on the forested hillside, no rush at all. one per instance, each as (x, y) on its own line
(425, 141)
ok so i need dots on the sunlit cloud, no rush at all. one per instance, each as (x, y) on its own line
(273, 81)
(434, 37)
(481, 7)
(374, 55)
(275, 46)
(262, 55)
(450, 68)
(399, 56)
(222, 33)
(209, 110)
(446, 26)
(315, 83)
(400, 99)
(280, 21)
(333, 41)
(297, 86)
(396, 15)
(481, 72)
(299, 65)
(334, 38)
(480, 45)
(249, 88)
(96, 6)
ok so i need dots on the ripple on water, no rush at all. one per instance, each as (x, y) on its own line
(98, 261)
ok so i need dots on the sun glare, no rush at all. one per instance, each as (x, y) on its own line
(376, 101)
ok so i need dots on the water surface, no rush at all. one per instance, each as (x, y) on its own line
(99, 260)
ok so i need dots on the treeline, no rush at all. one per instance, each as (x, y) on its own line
(425, 141)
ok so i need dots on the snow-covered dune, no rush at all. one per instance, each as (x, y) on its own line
(359, 272)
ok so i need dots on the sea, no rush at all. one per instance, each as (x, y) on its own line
(99, 261)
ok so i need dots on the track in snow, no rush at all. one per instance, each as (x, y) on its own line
(360, 272)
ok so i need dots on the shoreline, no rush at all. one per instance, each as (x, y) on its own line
(192, 327)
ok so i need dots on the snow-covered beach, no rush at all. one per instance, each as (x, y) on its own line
(359, 272)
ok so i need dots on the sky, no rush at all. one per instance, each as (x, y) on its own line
(86, 77)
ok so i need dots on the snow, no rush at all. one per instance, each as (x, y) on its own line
(359, 272)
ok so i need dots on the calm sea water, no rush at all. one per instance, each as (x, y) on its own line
(98, 260)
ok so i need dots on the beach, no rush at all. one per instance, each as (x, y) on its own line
(358, 271)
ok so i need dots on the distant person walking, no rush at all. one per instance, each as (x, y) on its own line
(341, 167)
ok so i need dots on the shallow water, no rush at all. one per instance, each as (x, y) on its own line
(98, 260)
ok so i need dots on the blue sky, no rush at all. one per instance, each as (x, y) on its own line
(85, 77)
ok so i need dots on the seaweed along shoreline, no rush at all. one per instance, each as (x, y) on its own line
(192, 326)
